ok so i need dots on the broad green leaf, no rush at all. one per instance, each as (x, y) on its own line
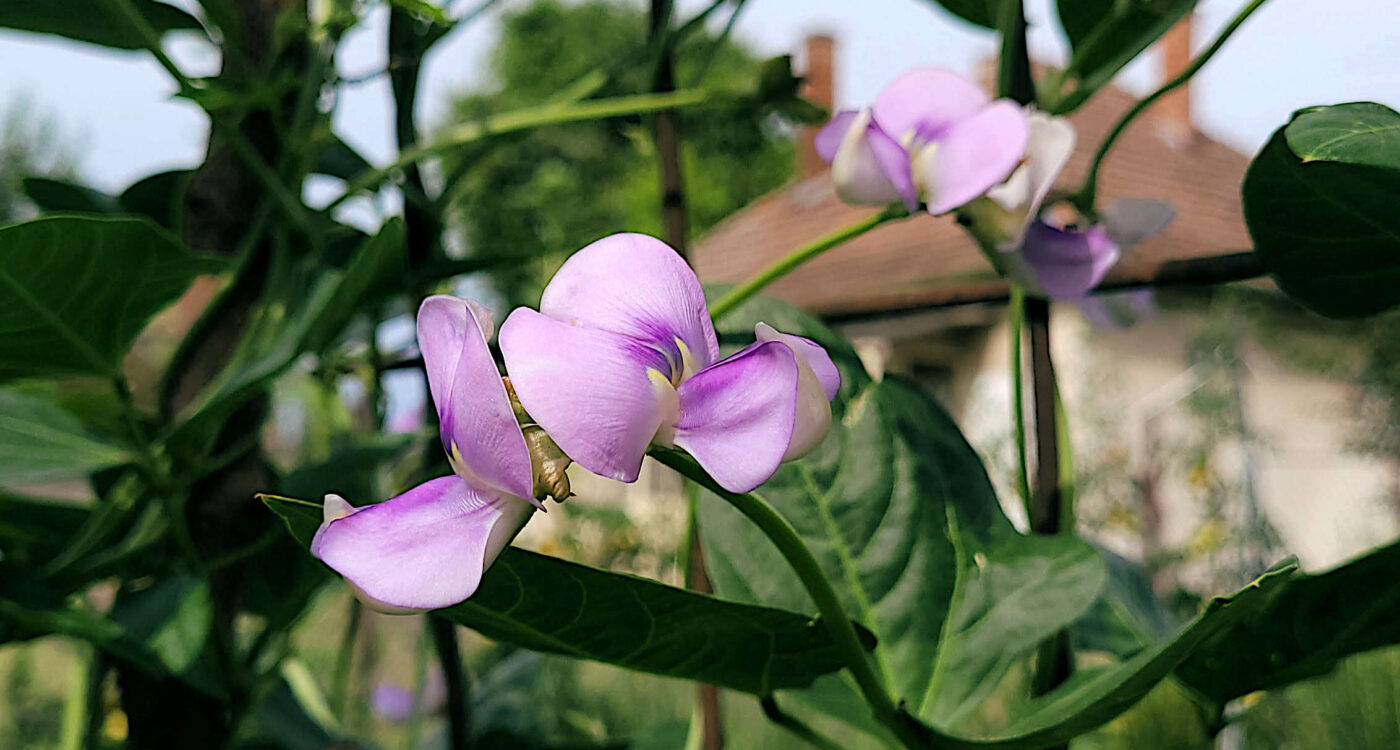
(55, 196)
(898, 509)
(1012, 596)
(1308, 626)
(551, 605)
(735, 331)
(1363, 134)
(160, 631)
(1093, 697)
(1127, 617)
(1105, 35)
(79, 289)
(86, 21)
(172, 619)
(281, 720)
(40, 442)
(159, 196)
(1327, 231)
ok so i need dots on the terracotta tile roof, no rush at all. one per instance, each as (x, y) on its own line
(927, 261)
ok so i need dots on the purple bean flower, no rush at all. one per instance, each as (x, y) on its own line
(428, 547)
(1054, 261)
(1067, 263)
(622, 355)
(931, 135)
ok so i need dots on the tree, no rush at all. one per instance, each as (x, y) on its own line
(547, 193)
(29, 146)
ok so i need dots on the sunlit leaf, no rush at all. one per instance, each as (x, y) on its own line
(79, 289)
(1105, 35)
(1093, 697)
(1363, 134)
(1323, 219)
(40, 442)
(901, 514)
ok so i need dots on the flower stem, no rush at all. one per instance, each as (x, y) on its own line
(533, 117)
(740, 294)
(808, 570)
(1017, 320)
(1084, 198)
(444, 634)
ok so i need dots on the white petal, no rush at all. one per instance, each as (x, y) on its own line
(856, 172)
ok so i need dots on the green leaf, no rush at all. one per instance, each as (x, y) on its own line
(1093, 697)
(1105, 35)
(898, 509)
(735, 331)
(40, 442)
(551, 605)
(1013, 596)
(160, 630)
(1325, 225)
(980, 12)
(1304, 630)
(79, 289)
(173, 619)
(161, 196)
(1363, 134)
(53, 196)
(338, 159)
(1127, 617)
(85, 21)
(301, 517)
(900, 513)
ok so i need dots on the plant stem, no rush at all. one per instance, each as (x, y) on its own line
(809, 571)
(1016, 320)
(795, 725)
(1055, 662)
(295, 211)
(459, 730)
(532, 117)
(1084, 198)
(344, 660)
(740, 294)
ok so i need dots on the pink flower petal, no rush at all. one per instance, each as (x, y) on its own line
(424, 549)
(972, 156)
(479, 430)
(636, 286)
(737, 417)
(924, 101)
(588, 388)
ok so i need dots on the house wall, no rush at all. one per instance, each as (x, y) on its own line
(1127, 388)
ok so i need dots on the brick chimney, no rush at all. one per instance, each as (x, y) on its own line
(818, 88)
(1174, 110)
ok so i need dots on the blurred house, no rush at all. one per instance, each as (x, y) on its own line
(918, 298)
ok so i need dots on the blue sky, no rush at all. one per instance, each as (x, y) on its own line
(118, 111)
